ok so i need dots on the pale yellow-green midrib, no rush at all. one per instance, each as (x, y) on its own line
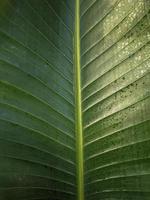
(79, 136)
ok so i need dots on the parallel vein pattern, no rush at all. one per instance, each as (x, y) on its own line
(37, 137)
(115, 65)
(37, 107)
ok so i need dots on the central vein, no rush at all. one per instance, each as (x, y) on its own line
(79, 133)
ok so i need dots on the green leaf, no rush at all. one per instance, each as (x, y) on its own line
(74, 100)
(37, 134)
(115, 58)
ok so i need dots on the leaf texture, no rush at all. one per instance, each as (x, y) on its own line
(46, 113)
(115, 59)
(37, 134)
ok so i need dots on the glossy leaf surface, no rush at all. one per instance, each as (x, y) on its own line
(45, 112)
(115, 59)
